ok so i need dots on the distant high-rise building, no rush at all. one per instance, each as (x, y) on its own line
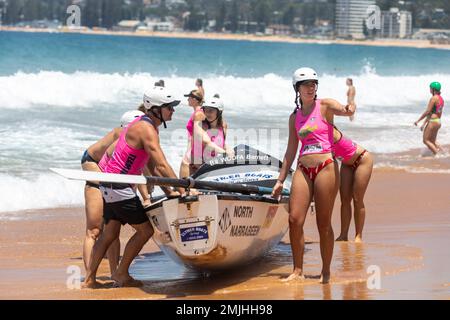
(396, 24)
(405, 24)
(350, 17)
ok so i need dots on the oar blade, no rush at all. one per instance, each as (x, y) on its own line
(99, 176)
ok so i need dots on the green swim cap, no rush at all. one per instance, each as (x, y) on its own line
(435, 85)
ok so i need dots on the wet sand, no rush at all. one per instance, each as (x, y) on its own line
(410, 43)
(407, 235)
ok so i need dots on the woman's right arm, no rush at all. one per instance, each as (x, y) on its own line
(427, 111)
(289, 156)
(99, 148)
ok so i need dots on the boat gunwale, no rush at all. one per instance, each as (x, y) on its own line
(220, 196)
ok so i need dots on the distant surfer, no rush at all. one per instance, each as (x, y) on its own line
(199, 85)
(432, 114)
(351, 92)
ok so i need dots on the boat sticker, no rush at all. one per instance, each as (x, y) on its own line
(244, 231)
(243, 212)
(194, 233)
(269, 216)
(244, 177)
(225, 220)
(240, 158)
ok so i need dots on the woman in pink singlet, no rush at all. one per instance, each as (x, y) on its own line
(215, 129)
(355, 173)
(317, 173)
(94, 159)
(197, 137)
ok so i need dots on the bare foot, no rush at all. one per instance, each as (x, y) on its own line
(358, 239)
(125, 281)
(342, 238)
(90, 284)
(294, 276)
(324, 278)
(131, 283)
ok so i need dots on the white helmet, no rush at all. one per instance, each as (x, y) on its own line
(158, 96)
(304, 74)
(129, 116)
(214, 103)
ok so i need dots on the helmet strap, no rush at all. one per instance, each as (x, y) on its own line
(159, 116)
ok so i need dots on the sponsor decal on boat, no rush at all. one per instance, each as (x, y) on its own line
(243, 212)
(194, 233)
(245, 177)
(225, 220)
(253, 158)
(244, 231)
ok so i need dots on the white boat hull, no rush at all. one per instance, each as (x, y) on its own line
(218, 231)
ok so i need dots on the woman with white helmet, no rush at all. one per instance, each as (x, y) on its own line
(215, 132)
(317, 174)
(93, 159)
(198, 138)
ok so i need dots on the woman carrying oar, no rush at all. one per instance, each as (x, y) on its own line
(138, 146)
(92, 161)
(317, 173)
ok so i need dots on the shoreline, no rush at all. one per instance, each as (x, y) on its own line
(418, 44)
(406, 238)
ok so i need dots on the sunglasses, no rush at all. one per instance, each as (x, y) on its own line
(195, 97)
(171, 108)
(209, 109)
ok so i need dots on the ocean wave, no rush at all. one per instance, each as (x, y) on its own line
(91, 89)
(40, 191)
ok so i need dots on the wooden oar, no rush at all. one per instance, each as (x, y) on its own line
(160, 181)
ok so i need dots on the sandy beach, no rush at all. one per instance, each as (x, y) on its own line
(241, 37)
(406, 236)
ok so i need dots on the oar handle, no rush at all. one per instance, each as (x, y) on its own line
(211, 185)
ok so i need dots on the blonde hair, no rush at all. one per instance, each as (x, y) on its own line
(142, 108)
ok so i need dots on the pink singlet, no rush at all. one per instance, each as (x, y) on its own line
(314, 132)
(126, 159)
(344, 148)
(217, 136)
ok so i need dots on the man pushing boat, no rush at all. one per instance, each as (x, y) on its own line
(138, 146)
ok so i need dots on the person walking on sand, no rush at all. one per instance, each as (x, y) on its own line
(351, 92)
(317, 174)
(92, 161)
(138, 146)
(433, 114)
(355, 173)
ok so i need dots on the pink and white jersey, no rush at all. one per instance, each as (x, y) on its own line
(314, 132)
